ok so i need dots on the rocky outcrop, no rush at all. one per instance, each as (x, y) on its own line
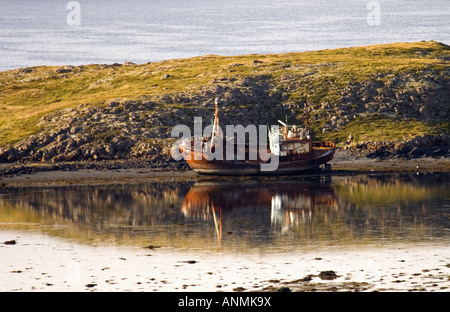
(420, 146)
(118, 130)
(417, 97)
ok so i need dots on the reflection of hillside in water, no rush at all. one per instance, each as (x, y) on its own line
(412, 207)
(114, 211)
(266, 212)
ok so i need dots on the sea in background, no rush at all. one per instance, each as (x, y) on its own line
(46, 32)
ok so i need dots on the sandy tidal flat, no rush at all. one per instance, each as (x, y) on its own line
(36, 262)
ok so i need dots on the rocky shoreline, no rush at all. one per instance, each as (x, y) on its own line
(421, 146)
(9, 170)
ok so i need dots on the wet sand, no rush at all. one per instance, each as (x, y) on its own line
(93, 176)
(45, 264)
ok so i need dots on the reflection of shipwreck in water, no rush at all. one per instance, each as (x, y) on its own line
(296, 205)
(288, 202)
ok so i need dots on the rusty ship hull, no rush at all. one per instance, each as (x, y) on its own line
(320, 153)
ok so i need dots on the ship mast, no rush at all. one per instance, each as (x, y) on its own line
(216, 122)
(306, 116)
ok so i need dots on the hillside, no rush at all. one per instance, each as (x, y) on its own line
(379, 101)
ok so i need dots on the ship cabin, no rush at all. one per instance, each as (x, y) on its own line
(290, 140)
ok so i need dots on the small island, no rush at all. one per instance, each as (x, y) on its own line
(381, 102)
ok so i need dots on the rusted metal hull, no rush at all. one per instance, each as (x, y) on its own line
(322, 152)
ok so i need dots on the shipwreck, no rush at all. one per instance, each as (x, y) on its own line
(290, 150)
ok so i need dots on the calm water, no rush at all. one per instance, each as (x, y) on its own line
(268, 215)
(38, 33)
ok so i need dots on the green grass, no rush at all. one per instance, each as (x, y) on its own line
(382, 128)
(25, 97)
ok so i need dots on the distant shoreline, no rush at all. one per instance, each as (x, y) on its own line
(110, 173)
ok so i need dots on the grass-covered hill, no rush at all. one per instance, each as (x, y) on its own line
(375, 98)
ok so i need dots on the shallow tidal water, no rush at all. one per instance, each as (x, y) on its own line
(245, 215)
(251, 223)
